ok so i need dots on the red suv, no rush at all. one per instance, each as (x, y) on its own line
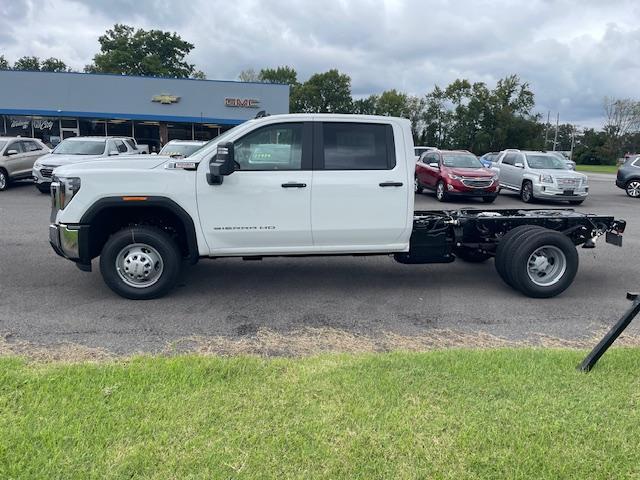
(455, 173)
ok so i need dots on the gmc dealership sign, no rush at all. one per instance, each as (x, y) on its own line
(241, 102)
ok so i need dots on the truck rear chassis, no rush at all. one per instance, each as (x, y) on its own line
(527, 244)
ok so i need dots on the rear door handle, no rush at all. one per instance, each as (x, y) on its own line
(294, 185)
(391, 184)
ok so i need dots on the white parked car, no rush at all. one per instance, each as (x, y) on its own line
(418, 151)
(181, 148)
(17, 156)
(79, 149)
(540, 175)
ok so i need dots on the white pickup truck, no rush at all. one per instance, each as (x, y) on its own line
(297, 185)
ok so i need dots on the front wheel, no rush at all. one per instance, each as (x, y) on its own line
(441, 191)
(140, 263)
(489, 199)
(632, 189)
(43, 187)
(417, 188)
(526, 193)
(4, 180)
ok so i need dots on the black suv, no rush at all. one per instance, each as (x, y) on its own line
(629, 177)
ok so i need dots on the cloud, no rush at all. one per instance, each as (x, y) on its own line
(573, 53)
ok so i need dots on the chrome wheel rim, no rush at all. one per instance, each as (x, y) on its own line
(415, 185)
(546, 265)
(139, 265)
(526, 192)
(633, 189)
(3, 181)
(440, 191)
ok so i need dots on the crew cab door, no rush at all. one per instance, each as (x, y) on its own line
(263, 207)
(361, 187)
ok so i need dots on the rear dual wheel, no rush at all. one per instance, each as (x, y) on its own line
(539, 262)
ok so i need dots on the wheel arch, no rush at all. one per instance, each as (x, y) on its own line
(110, 214)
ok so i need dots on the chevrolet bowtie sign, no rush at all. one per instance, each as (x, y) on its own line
(165, 99)
(241, 102)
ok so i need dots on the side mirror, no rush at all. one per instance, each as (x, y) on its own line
(114, 152)
(223, 165)
(11, 152)
(519, 165)
(434, 165)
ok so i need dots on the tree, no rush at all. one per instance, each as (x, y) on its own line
(52, 64)
(285, 75)
(127, 51)
(249, 75)
(27, 63)
(622, 120)
(4, 64)
(365, 106)
(328, 92)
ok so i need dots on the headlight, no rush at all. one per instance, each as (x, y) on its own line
(65, 190)
(495, 178)
(37, 165)
(546, 178)
(454, 177)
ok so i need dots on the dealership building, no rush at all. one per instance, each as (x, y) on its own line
(153, 110)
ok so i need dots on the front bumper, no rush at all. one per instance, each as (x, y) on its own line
(552, 192)
(71, 242)
(42, 175)
(459, 189)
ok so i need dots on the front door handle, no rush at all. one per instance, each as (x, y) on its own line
(391, 184)
(294, 185)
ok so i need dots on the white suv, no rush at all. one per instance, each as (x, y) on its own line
(540, 175)
(79, 149)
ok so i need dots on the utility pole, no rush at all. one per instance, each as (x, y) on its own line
(555, 138)
(546, 131)
(573, 141)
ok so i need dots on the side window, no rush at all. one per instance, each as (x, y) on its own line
(131, 144)
(509, 159)
(15, 146)
(122, 148)
(30, 146)
(274, 147)
(358, 146)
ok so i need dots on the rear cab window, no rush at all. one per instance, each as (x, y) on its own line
(354, 146)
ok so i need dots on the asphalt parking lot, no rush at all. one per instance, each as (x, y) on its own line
(46, 300)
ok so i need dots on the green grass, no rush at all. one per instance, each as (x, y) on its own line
(455, 414)
(597, 168)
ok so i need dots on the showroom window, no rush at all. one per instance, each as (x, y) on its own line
(119, 128)
(180, 131)
(18, 126)
(206, 131)
(46, 129)
(92, 127)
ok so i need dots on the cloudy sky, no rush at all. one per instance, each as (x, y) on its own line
(572, 52)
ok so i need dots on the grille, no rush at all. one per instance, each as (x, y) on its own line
(568, 182)
(477, 182)
(46, 172)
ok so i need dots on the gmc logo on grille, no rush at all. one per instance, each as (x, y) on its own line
(241, 102)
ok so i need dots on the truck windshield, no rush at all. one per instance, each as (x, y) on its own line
(545, 162)
(81, 147)
(461, 161)
(179, 149)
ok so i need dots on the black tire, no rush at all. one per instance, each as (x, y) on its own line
(4, 179)
(518, 264)
(43, 188)
(633, 188)
(512, 237)
(471, 255)
(489, 199)
(163, 246)
(441, 192)
(526, 192)
(576, 202)
(417, 188)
